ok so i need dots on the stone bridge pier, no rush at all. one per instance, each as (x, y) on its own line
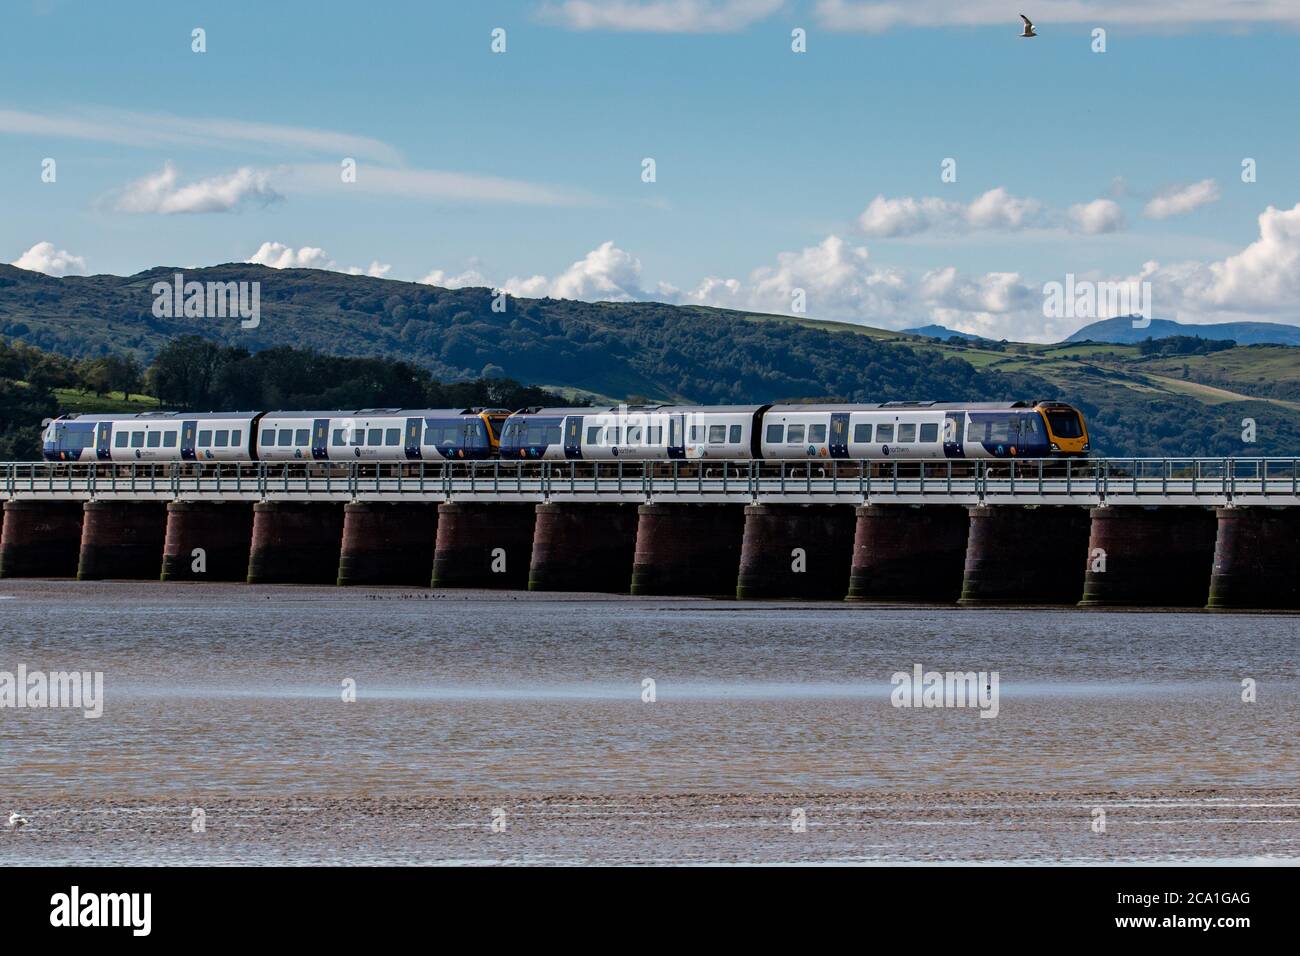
(687, 549)
(1020, 554)
(796, 551)
(908, 553)
(207, 541)
(387, 543)
(1256, 559)
(122, 539)
(40, 539)
(483, 545)
(1149, 557)
(583, 547)
(295, 543)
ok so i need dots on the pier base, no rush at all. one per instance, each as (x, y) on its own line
(1149, 557)
(687, 549)
(1018, 554)
(483, 545)
(221, 534)
(796, 551)
(583, 547)
(387, 543)
(295, 543)
(122, 539)
(909, 553)
(1256, 559)
(40, 539)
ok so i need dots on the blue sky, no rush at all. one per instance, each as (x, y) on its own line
(775, 171)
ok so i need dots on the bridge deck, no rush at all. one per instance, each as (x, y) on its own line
(1084, 482)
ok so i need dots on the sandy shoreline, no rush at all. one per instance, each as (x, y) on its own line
(1192, 826)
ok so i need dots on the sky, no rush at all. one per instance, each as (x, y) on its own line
(893, 164)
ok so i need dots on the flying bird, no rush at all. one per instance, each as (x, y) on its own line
(17, 820)
(1029, 27)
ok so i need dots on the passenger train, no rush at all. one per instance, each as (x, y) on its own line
(892, 430)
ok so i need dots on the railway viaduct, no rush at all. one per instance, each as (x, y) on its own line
(1217, 533)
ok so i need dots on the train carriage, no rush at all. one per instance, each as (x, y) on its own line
(151, 436)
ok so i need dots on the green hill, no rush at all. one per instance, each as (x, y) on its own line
(1154, 404)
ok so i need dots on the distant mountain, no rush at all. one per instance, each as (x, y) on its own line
(941, 332)
(1120, 331)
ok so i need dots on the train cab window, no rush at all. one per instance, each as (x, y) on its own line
(634, 434)
(268, 437)
(862, 432)
(734, 435)
(169, 439)
(907, 431)
(593, 434)
(393, 436)
(302, 437)
(338, 438)
(717, 434)
(154, 440)
(930, 432)
(120, 440)
(375, 437)
(775, 433)
(816, 434)
(884, 433)
(285, 438)
(1065, 424)
(795, 435)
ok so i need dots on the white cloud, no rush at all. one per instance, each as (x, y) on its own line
(1178, 200)
(430, 184)
(873, 16)
(996, 209)
(470, 278)
(1098, 216)
(163, 193)
(279, 256)
(660, 16)
(44, 257)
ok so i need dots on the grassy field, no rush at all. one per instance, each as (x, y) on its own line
(71, 400)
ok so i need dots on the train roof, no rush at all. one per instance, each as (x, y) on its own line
(641, 409)
(910, 406)
(152, 416)
(384, 413)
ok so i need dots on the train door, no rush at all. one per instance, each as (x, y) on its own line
(952, 437)
(676, 436)
(189, 431)
(413, 426)
(320, 439)
(839, 440)
(573, 436)
(103, 437)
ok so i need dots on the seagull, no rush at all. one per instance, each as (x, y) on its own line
(1029, 27)
(17, 820)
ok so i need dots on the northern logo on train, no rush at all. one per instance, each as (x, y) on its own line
(884, 449)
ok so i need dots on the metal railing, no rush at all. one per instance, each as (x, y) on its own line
(1086, 481)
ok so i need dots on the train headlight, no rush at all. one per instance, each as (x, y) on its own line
(1055, 447)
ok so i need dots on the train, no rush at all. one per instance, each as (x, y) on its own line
(917, 430)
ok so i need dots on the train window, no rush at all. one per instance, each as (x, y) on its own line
(593, 434)
(393, 436)
(552, 434)
(338, 437)
(795, 435)
(862, 432)
(285, 438)
(169, 439)
(696, 433)
(375, 438)
(655, 435)
(359, 436)
(613, 436)
(222, 438)
(268, 437)
(154, 439)
(884, 433)
(235, 436)
(992, 430)
(1030, 427)
(302, 436)
(817, 434)
(634, 434)
(907, 431)
(121, 439)
(717, 434)
(734, 437)
(775, 433)
(930, 431)
(1065, 424)
(205, 438)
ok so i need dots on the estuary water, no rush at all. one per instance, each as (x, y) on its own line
(509, 727)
